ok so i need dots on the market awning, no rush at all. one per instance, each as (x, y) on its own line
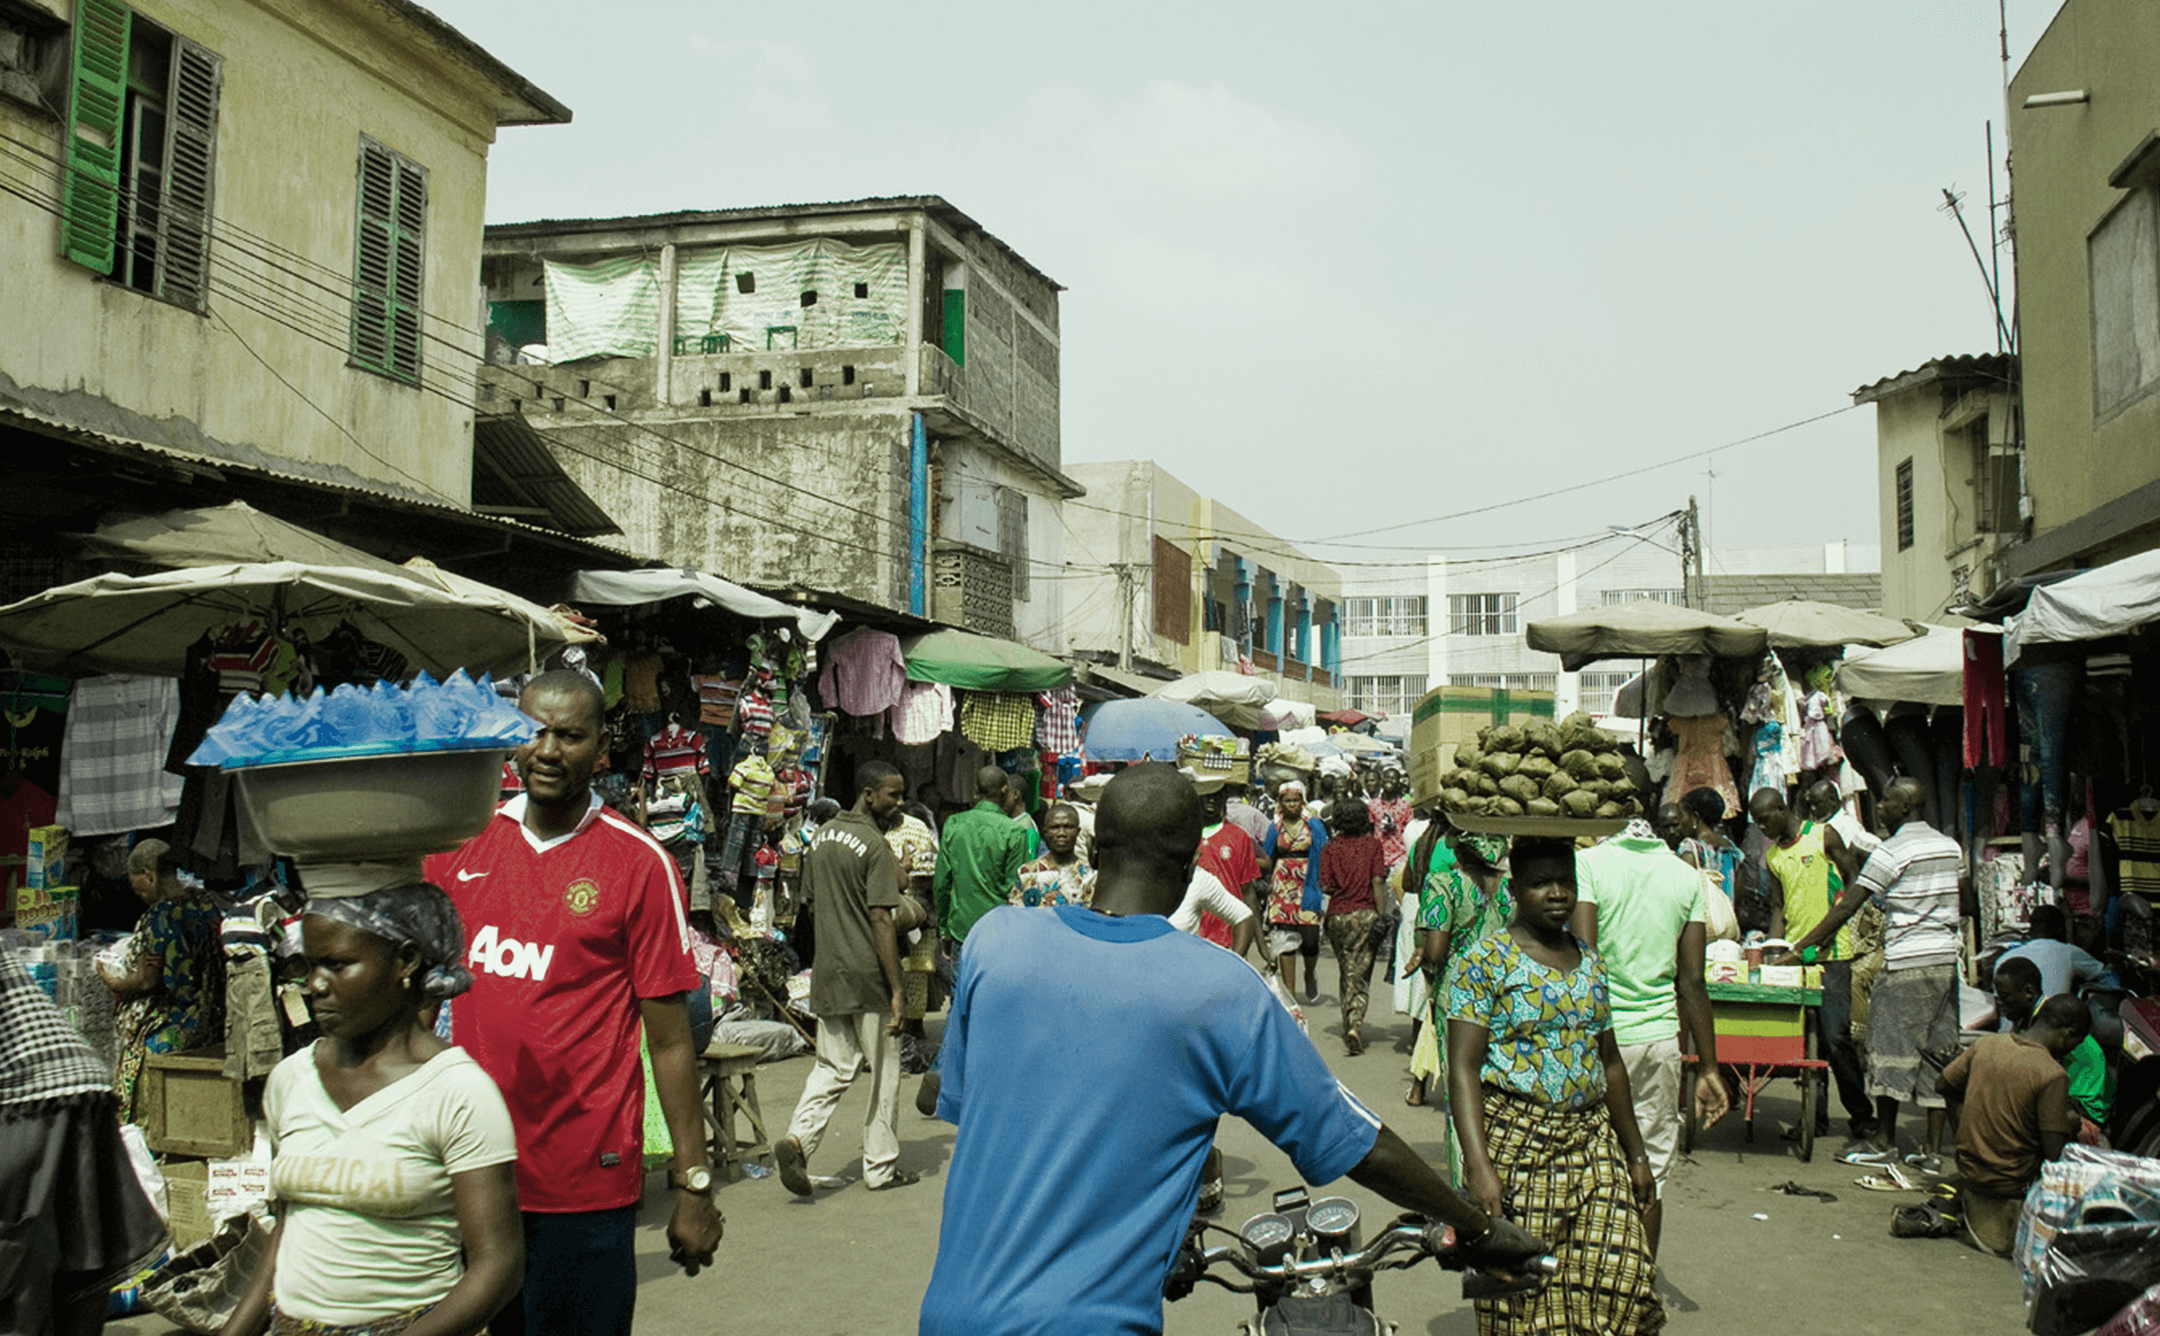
(622, 589)
(1928, 670)
(2092, 605)
(1807, 622)
(1235, 698)
(146, 623)
(1139, 684)
(1643, 629)
(218, 535)
(1347, 718)
(979, 663)
(514, 473)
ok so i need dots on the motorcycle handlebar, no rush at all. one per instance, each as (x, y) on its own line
(1422, 1239)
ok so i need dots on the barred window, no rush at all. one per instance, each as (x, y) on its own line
(1482, 614)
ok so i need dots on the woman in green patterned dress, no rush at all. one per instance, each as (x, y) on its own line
(1465, 897)
(171, 991)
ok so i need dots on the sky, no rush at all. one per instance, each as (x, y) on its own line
(1358, 268)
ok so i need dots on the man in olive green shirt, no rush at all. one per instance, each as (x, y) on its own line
(981, 852)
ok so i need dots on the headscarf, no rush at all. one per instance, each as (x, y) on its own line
(419, 913)
(1491, 849)
(44, 1063)
(1288, 785)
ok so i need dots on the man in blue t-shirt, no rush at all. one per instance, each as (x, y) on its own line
(1077, 1162)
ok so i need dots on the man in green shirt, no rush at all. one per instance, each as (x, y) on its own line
(1642, 908)
(2017, 999)
(976, 863)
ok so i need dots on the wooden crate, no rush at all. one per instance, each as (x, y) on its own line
(192, 1107)
(186, 1184)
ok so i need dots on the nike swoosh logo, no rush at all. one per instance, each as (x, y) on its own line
(469, 876)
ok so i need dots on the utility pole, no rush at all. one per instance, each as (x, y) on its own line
(1128, 578)
(1690, 553)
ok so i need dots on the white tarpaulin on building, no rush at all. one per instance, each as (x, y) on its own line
(631, 588)
(609, 309)
(2104, 601)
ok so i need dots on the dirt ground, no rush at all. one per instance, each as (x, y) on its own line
(1737, 1256)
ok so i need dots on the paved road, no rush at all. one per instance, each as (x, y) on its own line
(849, 1261)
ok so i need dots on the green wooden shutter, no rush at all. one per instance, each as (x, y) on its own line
(190, 174)
(97, 98)
(954, 335)
(387, 270)
(405, 281)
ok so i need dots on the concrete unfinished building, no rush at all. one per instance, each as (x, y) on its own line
(858, 399)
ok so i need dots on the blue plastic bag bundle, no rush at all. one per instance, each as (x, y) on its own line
(382, 719)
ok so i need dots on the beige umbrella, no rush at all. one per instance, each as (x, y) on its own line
(1643, 629)
(1236, 699)
(1805, 621)
(145, 623)
(221, 535)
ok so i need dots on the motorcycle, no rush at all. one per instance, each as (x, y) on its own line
(1311, 1276)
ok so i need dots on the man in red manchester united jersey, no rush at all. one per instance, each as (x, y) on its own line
(576, 936)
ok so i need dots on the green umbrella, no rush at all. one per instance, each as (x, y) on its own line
(979, 663)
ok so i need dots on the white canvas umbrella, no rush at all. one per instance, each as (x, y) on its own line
(1807, 622)
(145, 623)
(1234, 698)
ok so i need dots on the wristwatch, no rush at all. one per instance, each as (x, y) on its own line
(697, 1179)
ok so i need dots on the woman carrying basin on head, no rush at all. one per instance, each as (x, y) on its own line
(396, 1202)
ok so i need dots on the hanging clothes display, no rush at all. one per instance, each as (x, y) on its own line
(923, 714)
(113, 778)
(1700, 763)
(998, 721)
(674, 750)
(864, 673)
(1058, 731)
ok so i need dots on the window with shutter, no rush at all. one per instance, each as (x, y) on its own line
(390, 252)
(142, 154)
(97, 100)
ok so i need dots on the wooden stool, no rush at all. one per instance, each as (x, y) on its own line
(729, 1072)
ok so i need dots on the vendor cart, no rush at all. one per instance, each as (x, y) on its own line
(1764, 1032)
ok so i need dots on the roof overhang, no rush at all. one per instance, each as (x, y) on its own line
(515, 475)
(2000, 367)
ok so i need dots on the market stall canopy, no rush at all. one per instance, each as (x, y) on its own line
(979, 663)
(1643, 629)
(145, 623)
(1283, 712)
(1928, 669)
(1395, 728)
(1361, 744)
(1807, 622)
(1234, 698)
(1346, 717)
(1146, 729)
(621, 589)
(2104, 601)
(230, 534)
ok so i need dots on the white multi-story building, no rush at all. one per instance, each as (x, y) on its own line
(1458, 621)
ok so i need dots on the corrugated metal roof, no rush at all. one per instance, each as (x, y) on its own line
(1955, 366)
(514, 467)
(935, 205)
(538, 108)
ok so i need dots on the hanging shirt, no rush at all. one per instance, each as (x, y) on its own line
(675, 750)
(113, 778)
(752, 779)
(998, 721)
(1058, 731)
(2137, 840)
(864, 673)
(924, 714)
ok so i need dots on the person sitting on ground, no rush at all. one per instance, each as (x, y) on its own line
(1542, 1103)
(1157, 1036)
(2018, 1116)
(2063, 968)
(1060, 876)
(1353, 874)
(2019, 986)
(171, 990)
(401, 1216)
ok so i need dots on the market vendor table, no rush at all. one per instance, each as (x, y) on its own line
(1764, 1031)
(728, 1073)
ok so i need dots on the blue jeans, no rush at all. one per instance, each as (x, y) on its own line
(580, 1276)
(1834, 1023)
(2046, 694)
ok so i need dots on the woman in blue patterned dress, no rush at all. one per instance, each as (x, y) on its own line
(171, 992)
(1542, 1108)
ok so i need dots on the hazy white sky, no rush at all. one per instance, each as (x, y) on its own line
(1352, 265)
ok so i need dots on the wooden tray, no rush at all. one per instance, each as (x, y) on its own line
(1556, 827)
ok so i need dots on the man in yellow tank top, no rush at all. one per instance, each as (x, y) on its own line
(1807, 863)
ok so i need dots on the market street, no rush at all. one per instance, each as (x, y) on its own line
(849, 1261)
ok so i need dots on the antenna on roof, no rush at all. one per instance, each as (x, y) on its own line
(1953, 205)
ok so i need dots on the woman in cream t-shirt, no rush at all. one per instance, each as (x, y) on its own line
(392, 1174)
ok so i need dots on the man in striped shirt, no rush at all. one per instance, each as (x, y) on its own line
(1916, 875)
